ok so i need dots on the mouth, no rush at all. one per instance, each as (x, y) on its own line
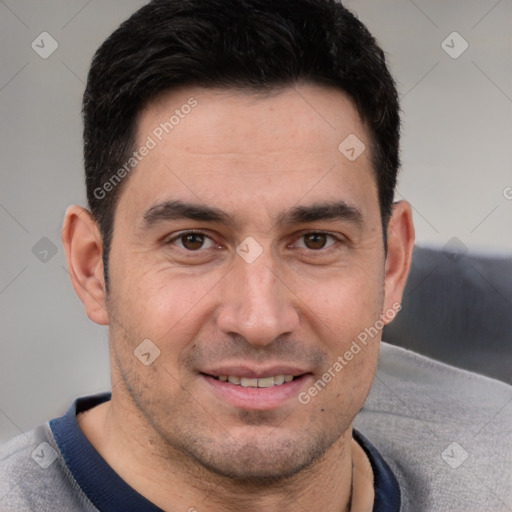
(262, 382)
(257, 393)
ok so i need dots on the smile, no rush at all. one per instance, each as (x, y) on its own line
(263, 382)
(263, 392)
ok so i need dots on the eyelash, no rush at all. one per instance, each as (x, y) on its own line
(185, 233)
(182, 234)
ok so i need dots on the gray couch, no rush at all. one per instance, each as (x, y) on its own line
(457, 308)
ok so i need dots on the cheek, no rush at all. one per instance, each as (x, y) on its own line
(338, 394)
(164, 306)
(343, 312)
(345, 301)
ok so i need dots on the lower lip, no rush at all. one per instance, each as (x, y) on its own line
(257, 399)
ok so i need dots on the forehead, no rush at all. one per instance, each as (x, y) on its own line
(226, 146)
(293, 114)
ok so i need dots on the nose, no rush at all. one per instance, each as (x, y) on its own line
(257, 303)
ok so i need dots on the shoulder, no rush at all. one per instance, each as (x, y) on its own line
(33, 476)
(445, 432)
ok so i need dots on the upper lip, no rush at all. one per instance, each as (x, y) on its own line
(253, 372)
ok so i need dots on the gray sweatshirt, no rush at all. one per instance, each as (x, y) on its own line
(445, 433)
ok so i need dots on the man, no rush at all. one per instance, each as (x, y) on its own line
(243, 247)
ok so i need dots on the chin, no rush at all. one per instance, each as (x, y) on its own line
(261, 463)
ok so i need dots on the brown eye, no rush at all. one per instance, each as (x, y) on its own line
(192, 241)
(315, 240)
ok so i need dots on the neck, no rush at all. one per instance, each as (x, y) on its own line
(166, 476)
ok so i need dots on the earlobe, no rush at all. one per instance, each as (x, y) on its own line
(400, 247)
(82, 243)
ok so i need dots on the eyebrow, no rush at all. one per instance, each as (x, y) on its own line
(337, 210)
(178, 210)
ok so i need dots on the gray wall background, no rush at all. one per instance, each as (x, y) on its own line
(456, 153)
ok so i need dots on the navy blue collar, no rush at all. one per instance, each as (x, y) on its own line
(110, 493)
(387, 491)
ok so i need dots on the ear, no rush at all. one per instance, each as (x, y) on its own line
(82, 242)
(398, 259)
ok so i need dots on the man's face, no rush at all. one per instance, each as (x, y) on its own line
(247, 244)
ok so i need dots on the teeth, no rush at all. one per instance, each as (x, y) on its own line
(264, 382)
(248, 383)
(279, 379)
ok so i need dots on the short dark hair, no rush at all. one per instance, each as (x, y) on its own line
(259, 45)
